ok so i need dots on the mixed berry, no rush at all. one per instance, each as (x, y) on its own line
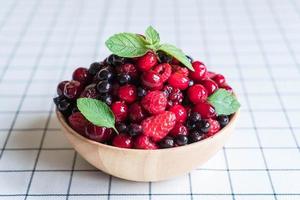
(156, 101)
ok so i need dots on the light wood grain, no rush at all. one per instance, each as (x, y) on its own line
(147, 165)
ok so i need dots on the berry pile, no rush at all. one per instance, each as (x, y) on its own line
(155, 100)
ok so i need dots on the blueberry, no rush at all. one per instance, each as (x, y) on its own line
(95, 68)
(189, 58)
(195, 117)
(104, 87)
(124, 78)
(190, 124)
(167, 142)
(105, 74)
(195, 136)
(182, 140)
(106, 98)
(203, 126)
(135, 129)
(115, 60)
(141, 92)
(223, 120)
(121, 127)
(63, 105)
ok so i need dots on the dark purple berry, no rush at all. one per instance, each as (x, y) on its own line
(223, 120)
(182, 140)
(167, 142)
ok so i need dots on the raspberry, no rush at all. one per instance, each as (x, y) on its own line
(176, 95)
(120, 110)
(154, 102)
(197, 94)
(147, 61)
(179, 129)
(180, 113)
(210, 86)
(205, 110)
(151, 80)
(158, 126)
(179, 80)
(97, 133)
(78, 122)
(214, 127)
(122, 141)
(127, 93)
(136, 112)
(181, 70)
(164, 70)
(144, 142)
(200, 71)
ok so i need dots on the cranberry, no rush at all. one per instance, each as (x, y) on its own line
(179, 80)
(72, 89)
(122, 141)
(210, 86)
(205, 110)
(129, 69)
(127, 93)
(120, 110)
(227, 87)
(179, 69)
(180, 113)
(82, 75)
(136, 112)
(164, 70)
(179, 129)
(90, 91)
(151, 80)
(197, 93)
(219, 79)
(97, 133)
(200, 71)
(147, 61)
(60, 87)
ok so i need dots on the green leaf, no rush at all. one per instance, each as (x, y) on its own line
(224, 102)
(176, 53)
(97, 112)
(152, 36)
(127, 45)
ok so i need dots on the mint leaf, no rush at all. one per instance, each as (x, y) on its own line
(176, 53)
(224, 102)
(97, 112)
(127, 45)
(152, 36)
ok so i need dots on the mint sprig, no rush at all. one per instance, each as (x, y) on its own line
(97, 112)
(132, 45)
(224, 102)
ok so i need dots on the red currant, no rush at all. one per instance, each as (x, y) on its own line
(180, 113)
(210, 86)
(200, 71)
(197, 93)
(151, 80)
(205, 110)
(179, 80)
(127, 93)
(219, 79)
(147, 61)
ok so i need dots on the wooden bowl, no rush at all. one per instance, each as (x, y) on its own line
(147, 165)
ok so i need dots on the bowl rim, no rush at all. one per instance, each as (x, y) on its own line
(66, 126)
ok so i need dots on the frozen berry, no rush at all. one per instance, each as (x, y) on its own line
(122, 141)
(219, 79)
(136, 112)
(127, 93)
(205, 110)
(197, 93)
(179, 129)
(181, 140)
(167, 142)
(104, 87)
(223, 120)
(180, 113)
(154, 102)
(151, 80)
(72, 89)
(203, 126)
(195, 136)
(124, 79)
(147, 61)
(97, 133)
(199, 72)
(120, 110)
(81, 75)
(164, 70)
(179, 80)
(90, 91)
(210, 86)
(60, 87)
(135, 129)
(78, 122)
(144, 142)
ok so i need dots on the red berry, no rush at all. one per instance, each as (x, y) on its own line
(122, 141)
(210, 86)
(219, 79)
(136, 112)
(179, 129)
(82, 75)
(127, 93)
(129, 69)
(72, 89)
(120, 110)
(78, 122)
(164, 70)
(179, 80)
(158, 126)
(214, 127)
(154, 102)
(200, 71)
(227, 87)
(179, 69)
(147, 61)
(60, 87)
(197, 93)
(97, 133)
(180, 113)
(210, 75)
(205, 110)
(90, 91)
(151, 80)
(144, 142)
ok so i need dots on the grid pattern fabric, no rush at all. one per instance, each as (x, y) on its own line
(254, 43)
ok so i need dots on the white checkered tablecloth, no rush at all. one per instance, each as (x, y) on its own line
(255, 43)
